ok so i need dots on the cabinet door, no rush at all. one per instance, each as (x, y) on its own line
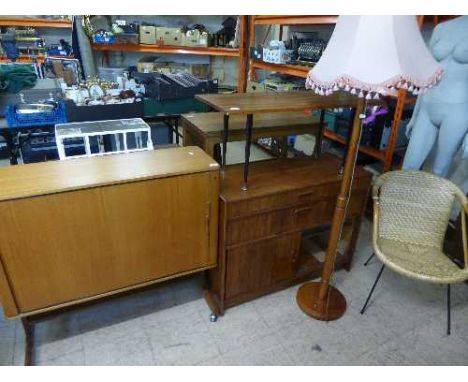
(74, 245)
(258, 265)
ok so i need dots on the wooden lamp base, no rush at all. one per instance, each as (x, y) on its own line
(331, 309)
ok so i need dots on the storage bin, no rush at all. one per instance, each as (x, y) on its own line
(37, 119)
(110, 74)
(126, 38)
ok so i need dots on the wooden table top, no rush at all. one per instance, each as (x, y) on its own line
(251, 103)
(212, 123)
(282, 175)
(59, 176)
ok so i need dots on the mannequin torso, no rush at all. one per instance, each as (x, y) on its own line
(441, 115)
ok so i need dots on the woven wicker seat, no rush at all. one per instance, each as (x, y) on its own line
(411, 215)
(420, 262)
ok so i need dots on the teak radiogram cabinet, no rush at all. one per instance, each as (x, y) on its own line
(77, 230)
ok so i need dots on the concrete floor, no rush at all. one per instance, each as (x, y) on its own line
(169, 325)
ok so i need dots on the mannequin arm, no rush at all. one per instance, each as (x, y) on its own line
(414, 117)
(435, 37)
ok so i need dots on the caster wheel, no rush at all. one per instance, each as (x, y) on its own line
(213, 317)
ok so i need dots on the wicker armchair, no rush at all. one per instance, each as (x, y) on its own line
(411, 214)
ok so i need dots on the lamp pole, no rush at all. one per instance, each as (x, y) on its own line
(319, 299)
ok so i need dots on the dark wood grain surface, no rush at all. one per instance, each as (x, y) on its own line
(212, 123)
(272, 177)
(260, 230)
(251, 103)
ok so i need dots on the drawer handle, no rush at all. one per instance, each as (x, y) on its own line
(301, 210)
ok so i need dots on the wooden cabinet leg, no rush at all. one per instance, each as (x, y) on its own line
(29, 332)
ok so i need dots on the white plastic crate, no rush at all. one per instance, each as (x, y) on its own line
(126, 135)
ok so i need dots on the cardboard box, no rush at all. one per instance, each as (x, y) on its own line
(169, 36)
(147, 34)
(145, 67)
(195, 38)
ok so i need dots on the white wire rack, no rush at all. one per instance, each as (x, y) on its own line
(124, 136)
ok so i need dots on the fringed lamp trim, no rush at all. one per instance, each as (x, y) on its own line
(371, 91)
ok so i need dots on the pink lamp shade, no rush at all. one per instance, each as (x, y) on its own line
(375, 55)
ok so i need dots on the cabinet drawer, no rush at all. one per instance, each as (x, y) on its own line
(258, 226)
(255, 267)
(321, 212)
(261, 204)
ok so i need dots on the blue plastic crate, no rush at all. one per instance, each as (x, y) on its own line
(103, 39)
(40, 119)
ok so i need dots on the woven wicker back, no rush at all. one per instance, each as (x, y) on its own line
(415, 207)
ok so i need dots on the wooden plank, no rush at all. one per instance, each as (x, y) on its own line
(59, 176)
(167, 49)
(251, 103)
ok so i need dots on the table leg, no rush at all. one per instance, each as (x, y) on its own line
(176, 128)
(283, 146)
(248, 142)
(11, 147)
(318, 141)
(29, 332)
(225, 138)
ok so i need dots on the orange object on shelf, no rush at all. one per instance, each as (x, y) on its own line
(169, 49)
(293, 70)
(45, 23)
(293, 19)
(30, 59)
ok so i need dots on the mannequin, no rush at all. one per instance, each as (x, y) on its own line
(440, 116)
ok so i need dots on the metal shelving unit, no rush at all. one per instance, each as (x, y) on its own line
(240, 53)
(34, 23)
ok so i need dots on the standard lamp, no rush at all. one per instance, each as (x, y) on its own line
(369, 56)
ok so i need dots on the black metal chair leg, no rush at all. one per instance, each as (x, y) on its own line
(372, 289)
(448, 309)
(369, 259)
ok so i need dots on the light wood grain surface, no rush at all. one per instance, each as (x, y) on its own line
(59, 176)
(127, 220)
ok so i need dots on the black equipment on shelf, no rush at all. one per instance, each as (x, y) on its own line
(174, 85)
